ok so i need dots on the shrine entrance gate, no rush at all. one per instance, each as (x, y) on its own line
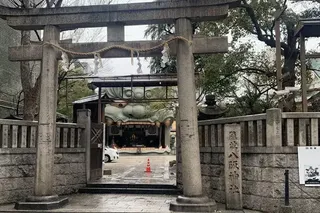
(183, 45)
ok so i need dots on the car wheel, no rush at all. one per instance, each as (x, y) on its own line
(107, 158)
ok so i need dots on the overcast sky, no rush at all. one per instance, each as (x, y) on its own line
(123, 66)
(120, 66)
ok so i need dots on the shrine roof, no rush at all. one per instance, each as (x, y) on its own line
(149, 80)
(308, 27)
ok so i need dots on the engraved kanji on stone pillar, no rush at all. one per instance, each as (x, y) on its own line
(232, 166)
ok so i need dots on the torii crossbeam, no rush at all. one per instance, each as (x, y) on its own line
(163, 11)
(115, 17)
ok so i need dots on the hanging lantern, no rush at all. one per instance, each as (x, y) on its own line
(119, 123)
(158, 124)
(167, 122)
(109, 122)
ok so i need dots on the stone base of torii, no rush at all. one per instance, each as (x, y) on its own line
(54, 20)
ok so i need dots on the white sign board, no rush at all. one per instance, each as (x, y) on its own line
(309, 165)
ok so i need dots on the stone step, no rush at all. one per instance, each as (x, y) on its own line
(98, 190)
(140, 186)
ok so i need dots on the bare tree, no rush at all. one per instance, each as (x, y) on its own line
(30, 71)
(30, 78)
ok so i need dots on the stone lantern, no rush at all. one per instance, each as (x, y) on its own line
(211, 111)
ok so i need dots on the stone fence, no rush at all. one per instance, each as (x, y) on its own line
(23, 134)
(18, 159)
(269, 146)
(272, 129)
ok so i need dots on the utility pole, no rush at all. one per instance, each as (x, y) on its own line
(303, 73)
(278, 57)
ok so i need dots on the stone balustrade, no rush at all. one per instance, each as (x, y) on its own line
(272, 129)
(269, 147)
(23, 134)
(69, 135)
(300, 128)
(18, 140)
(253, 130)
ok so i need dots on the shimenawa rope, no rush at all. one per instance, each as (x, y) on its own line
(132, 50)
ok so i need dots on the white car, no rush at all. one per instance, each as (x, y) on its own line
(110, 154)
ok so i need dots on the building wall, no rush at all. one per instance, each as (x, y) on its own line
(17, 171)
(10, 84)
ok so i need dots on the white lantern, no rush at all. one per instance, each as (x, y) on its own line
(157, 123)
(167, 122)
(109, 122)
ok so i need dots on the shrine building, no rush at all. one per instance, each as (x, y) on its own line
(134, 109)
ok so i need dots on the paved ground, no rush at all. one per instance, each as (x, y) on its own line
(117, 203)
(131, 169)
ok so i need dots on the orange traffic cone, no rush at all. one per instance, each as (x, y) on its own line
(148, 168)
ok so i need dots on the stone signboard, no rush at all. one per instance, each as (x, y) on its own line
(232, 166)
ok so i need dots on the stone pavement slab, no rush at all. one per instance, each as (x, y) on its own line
(116, 203)
(131, 169)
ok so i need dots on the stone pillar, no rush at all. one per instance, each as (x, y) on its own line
(192, 199)
(274, 127)
(304, 87)
(99, 106)
(115, 32)
(160, 135)
(47, 115)
(178, 151)
(166, 136)
(84, 117)
(44, 197)
(232, 166)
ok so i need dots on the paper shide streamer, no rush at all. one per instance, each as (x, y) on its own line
(65, 61)
(139, 70)
(97, 63)
(165, 55)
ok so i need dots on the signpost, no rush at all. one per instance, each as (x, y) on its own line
(232, 166)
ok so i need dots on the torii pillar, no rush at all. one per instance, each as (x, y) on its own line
(180, 12)
(193, 199)
(44, 197)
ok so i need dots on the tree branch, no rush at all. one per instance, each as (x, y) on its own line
(37, 5)
(284, 5)
(49, 3)
(256, 71)
(37, 34)
(201, 94)
(253, 84)
(59, 2)
(268, 41)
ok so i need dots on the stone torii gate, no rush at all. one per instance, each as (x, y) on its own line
(115, 17)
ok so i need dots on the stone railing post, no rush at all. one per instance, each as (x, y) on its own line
(178, 150)
(274, 127)
(84, 117)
